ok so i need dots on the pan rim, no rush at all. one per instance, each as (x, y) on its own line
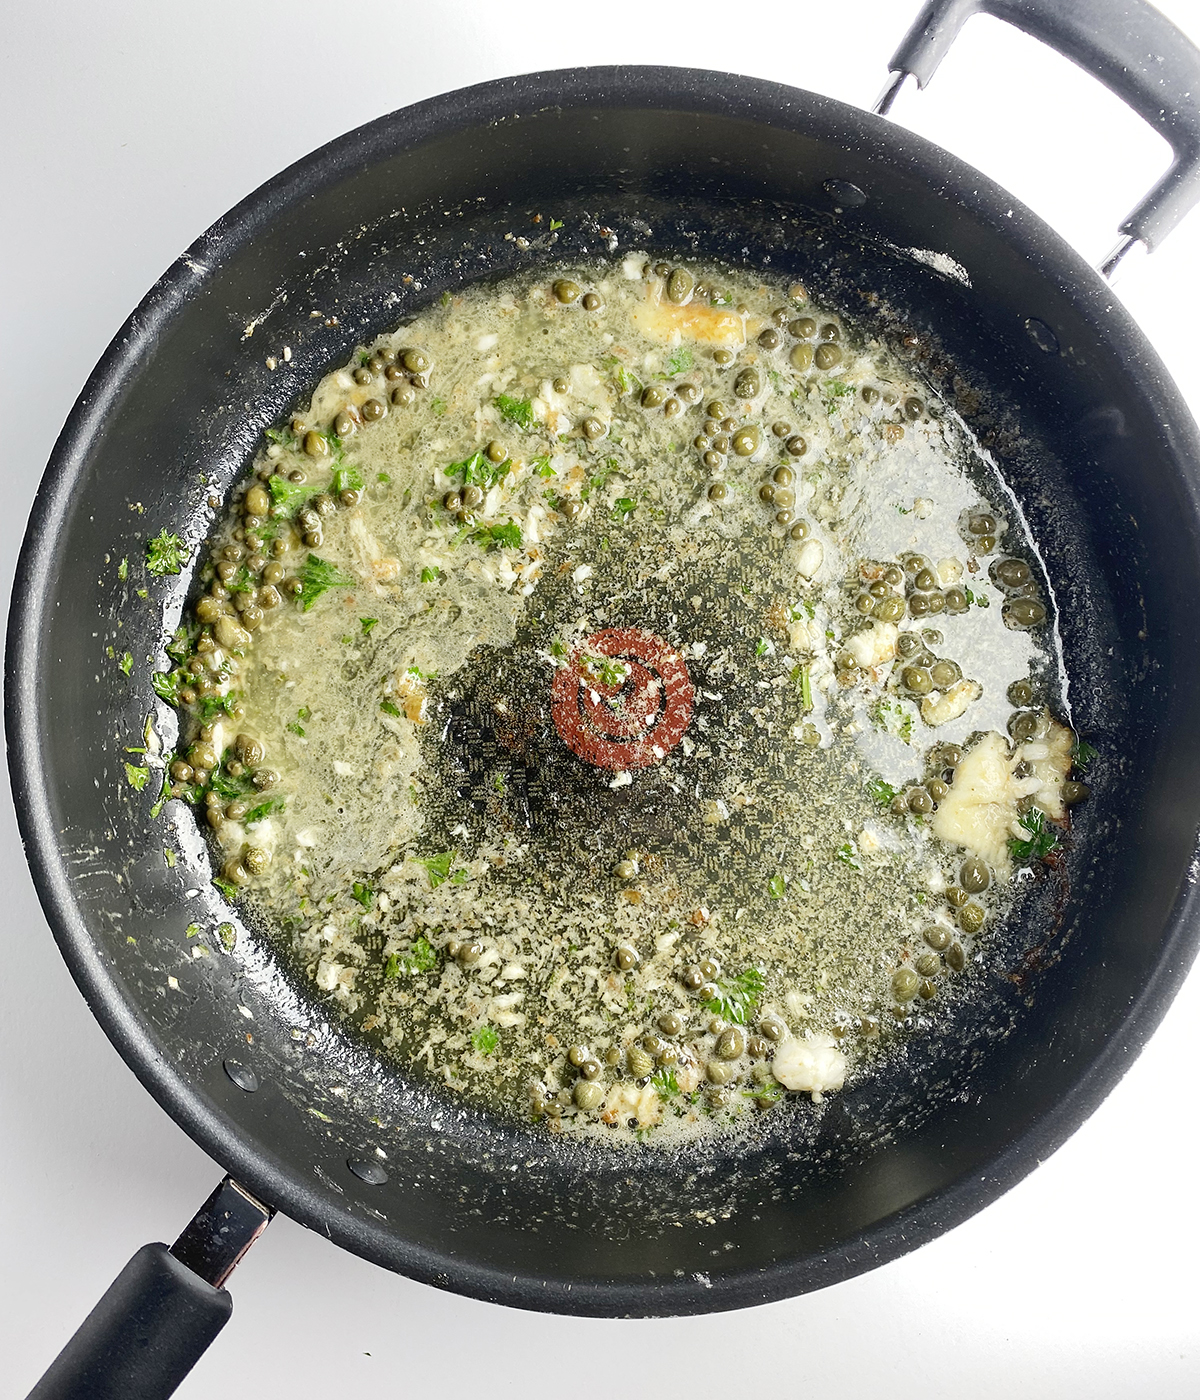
(629, 87)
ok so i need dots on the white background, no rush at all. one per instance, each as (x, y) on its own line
(127, 129)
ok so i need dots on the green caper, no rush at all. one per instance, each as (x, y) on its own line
(770, 339)
(593, 429)
(710, 968)
(904, 984)
(748, 384)
(908, 644)
(780, 429)
(403, 395)
(415, 361)
(672, 408)
(693, 979)
(612, 1056)
(970, 917)
(981, 525)
(783, 476)
(864, 603)
(917, 680)
(938, 790)
(1023, 725)
(590, 1069)
(944, 674)
(670, 1023)
(928, 964)
(889, 609)
(362, 375)
(799, 530)
(571, 509)
(452, 500)
(918, 604)
(773, 1029)
(470, 953)
(653, 1044)
(831, 331)
(640, 1064)
(731, 1044)
(802, 356)
(796, 445)
(1024, 612)
(561, 385)
(926, 580)
(257, 502)
(784, 497)
(1073, 792)
(719, 1072)
(588, 1096)
(927, 990)
(950, 755)
(869, 394)
(393, 373)
(717, 410)
(566, 291)
(956, 959)
(591, 301)
(717, 491)
(653, 396)
(913, 408)
(626, 957)
(1020, 693)
(937, 602)
(827, 356)
(701, 443)
(974, 876)
(937, 936)
(472, 496)
(803, 328)
(315, 444)
(720, 444)
(746, 441)
(1012, 573)
(766, 493)
(956, 600)
(679, 286)
(920, 801)
(577, 1054)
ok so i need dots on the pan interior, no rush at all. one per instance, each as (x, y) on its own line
(344, 247)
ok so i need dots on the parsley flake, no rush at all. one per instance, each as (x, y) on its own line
(166, 553)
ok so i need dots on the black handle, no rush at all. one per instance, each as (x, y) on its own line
(1129, 46)
(140, 1340)
(163, 1309)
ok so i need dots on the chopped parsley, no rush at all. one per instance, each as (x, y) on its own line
(623, 508)
(802, 676)
(479, 470)
(737, 998)
(664, 1082)
(438, 406)
(362, 894)
(126, 662)
(540, 466)
(606, 670)
(516, 411)
(763, 647)
(366, 623)
(166, 553)
(136, 777)
(421, 957)
(1042, 838)
(681, 360)
(485, 1039)
(430, 575)
(286, 495)
(1082, 754)
(440, 868)
(123, 570)
(495, 535)
(263, 810)
(980, 600)
(389, 708)
(208, 707)
(882, 792)
(848, 855)
(345, 479)
(230, 891)
(776, 886)
(555, 223)
(317, 577)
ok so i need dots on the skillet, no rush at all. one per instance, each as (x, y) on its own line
(1070, 1021)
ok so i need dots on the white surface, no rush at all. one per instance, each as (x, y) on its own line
(128, 129)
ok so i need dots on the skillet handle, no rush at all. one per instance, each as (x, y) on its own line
(162, 1311)
(1133, 49)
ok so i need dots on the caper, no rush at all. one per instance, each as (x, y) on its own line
(1020, 693)
(470, 953)
(653, 1044)
(1023, 725)
(717, 491)
(937, 602)
(710, 968)
(970, 917)
(679, 286)
(748, 384)
(928, 964)
(827, 356)
(746, 441)
(577, 1054)
(731, 1044)
(701, 443)
(916, 679)
(925, 580)
(670, 1023)
(1024, 612)
(653, 396)
(937, 936)
(956, 600)
(1012, 573)
(373, 409)
(315, 444)
(803, 328)
(588, 1096)
(974, 876)
(255, 860)
(913, 408)
(796, 445)
(712, 460)
(452, 500)
(869, 394)
(626, 957)
(956, 959)
(784, 497)
(937, 789)
(687, 392)
(561, 385)
(571, 508)
(720, 1073)
(799, 530)
(889, 609)
(783, 476)
(802, 356)
(593, 429)
(590, 1069)
(830, 331)
(950, 755)
(945, 673)
(639, 1063)
(956, 897)
(362, 375)
(393, 373)
(472, 496)
(864, 603)
(918, 604)
(672, 408)
(766, 493)
(920, 801)
(591, 301)
(772, 1028)
(770, 339)
(693, 979)
(403, 395)
(236, 873)
(625, 869)
(1073, 792)
(927, 990)
(904, 984)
